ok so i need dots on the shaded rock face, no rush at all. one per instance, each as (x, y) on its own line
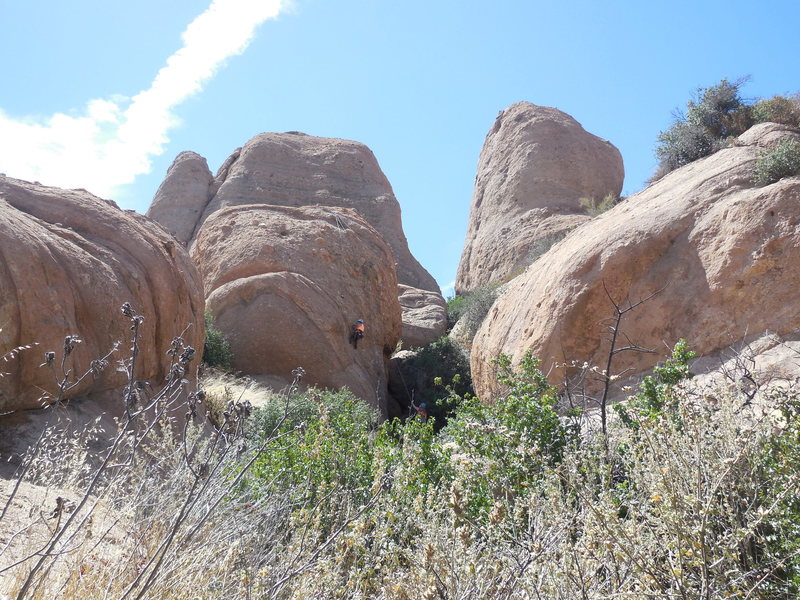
(424, 316)
(286, 284)
(727, 252)
(68, 261)
(535, 166)
(183, 195)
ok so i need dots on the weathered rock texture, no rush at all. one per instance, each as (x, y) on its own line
(68, 261)
(295, 170)
(424, 316)
(290, 169)
(183, 196)
(286, 284)
(536, 164)
(728, 252)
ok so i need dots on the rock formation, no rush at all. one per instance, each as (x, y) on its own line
(727, 252)
(295, 170)
(183, 196)
(286, 284)
(290, 169)
(424, 316)
(68, 261)
(536, 164)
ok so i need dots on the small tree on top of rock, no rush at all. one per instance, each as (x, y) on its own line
(718, 114)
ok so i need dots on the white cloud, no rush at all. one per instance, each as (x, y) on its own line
(113, 140)
(449, 290)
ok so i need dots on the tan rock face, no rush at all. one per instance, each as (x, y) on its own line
(424, 316)
(290, 169)
(286, 284)
(727, 252)
(68, 261)
(183, 195)
(536, 164)
(295, 170)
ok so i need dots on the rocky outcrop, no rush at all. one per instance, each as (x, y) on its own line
(536, 164)
(291, 169)
(727, 252)
(286, 284)
(424, 316)
(296, 170)
(183, 196)
(68, 261)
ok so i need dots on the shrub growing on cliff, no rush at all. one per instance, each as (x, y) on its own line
(778, 109)
(717, 114)
(473, 307)
(594, 208)
(777, 163)
(217, 351)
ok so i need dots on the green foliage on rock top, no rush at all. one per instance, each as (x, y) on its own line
(774, 164)
(778, 109)
(717, 114)
(594, 208)
(472, 307)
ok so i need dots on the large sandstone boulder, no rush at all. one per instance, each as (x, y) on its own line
(183, 196)
(727, 252)
(536, 165)
(295, 169)
(68, 261)
(424, 316)
(290, 169)
(285, 285)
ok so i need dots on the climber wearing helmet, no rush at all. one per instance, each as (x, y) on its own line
(357, 333)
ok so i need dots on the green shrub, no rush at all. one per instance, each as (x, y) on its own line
(433, 375)
(593, 208)
(778, 109)
(780, 464)
(456, 306)
(542, 245)
(656, 397)
(777, 163)
(217, 351)
(718, 114)
(474, 306)
(324, 442)
(508, 442)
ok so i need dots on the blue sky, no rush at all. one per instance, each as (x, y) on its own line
(419, 82)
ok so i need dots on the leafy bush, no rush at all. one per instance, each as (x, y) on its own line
(473, 307)
(433, 375)
(322, 442)
(781, 464)
(718, 114)
(456, 307)
(698, 500)
(504, 445)
(542, 245)
(782, 161)
(778, 109)
(593, 208)
(657, 395)
(217, 351)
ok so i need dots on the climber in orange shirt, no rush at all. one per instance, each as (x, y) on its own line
(357, 333)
